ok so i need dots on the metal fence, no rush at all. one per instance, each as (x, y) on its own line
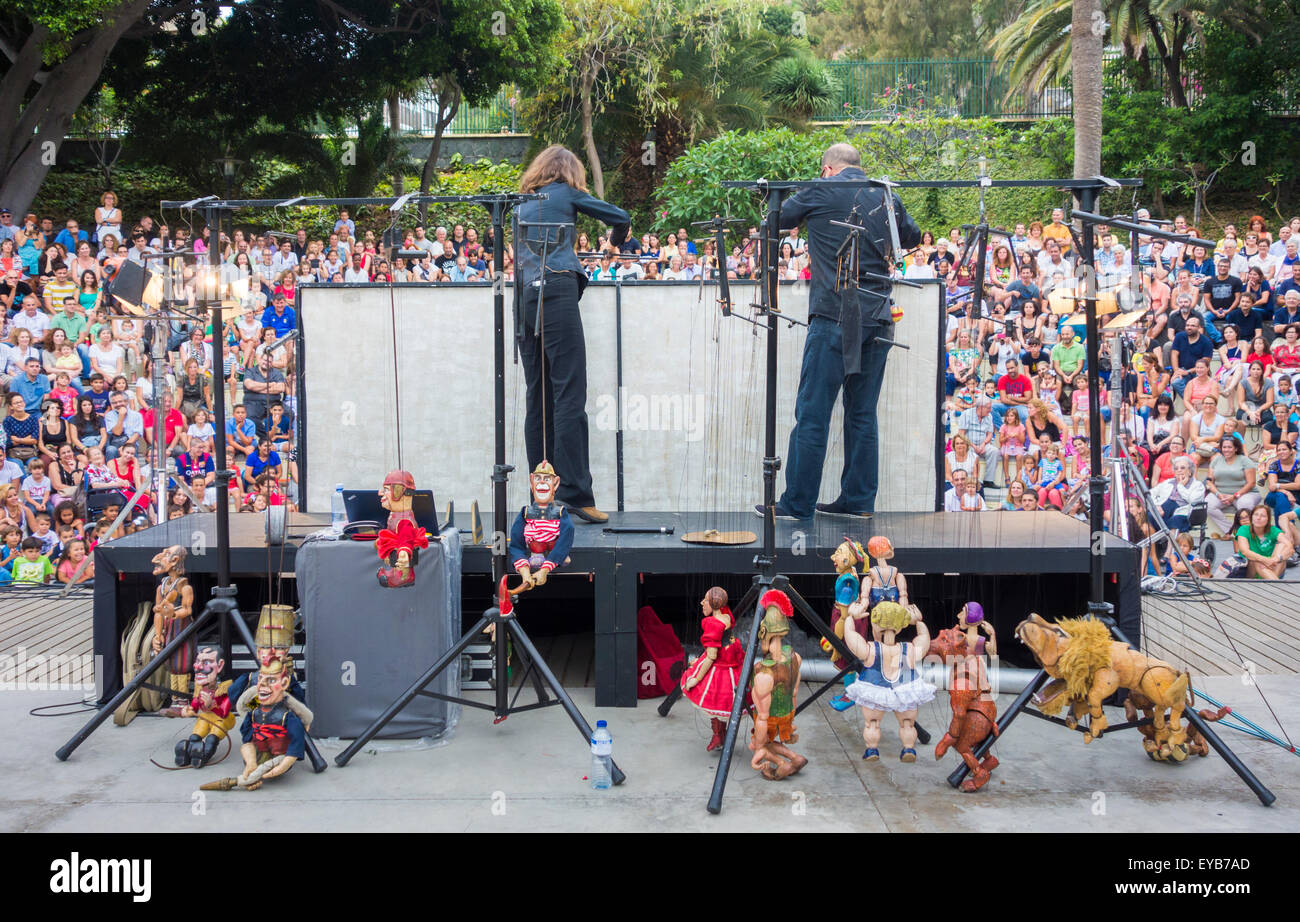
(420, 115)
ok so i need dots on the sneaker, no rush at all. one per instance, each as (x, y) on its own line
(589, 514)
(780, 511)
(907, 755)
(841, 703)
(1293, 560)
(836, 509)
(871, 755)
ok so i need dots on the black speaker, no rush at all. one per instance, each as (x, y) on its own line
(130, 282)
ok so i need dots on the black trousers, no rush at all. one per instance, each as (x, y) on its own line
(555, 370)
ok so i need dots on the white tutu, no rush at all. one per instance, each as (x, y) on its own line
(905, 697)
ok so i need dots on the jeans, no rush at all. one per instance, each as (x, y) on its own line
(1280, 502)
(555, 427)
(820, 380)
(83, 350)
(1000, 412)
(1176, 523)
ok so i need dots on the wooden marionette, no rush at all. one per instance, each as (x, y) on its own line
(890, 678)
(173, 610)
(273, 639)
(397, 496)
(712, 680)
(274, 736)
(974, 711)
(400, 549)
(211, 705)
(846, 560)
(884, 582)
(542, 534)
(774, 690)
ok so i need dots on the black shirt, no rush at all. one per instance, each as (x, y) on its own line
(1222, 291)
(818, 206)
(1032, 364)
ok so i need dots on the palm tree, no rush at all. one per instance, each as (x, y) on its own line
(1086, 29)
(799, 87)
(1038, 43)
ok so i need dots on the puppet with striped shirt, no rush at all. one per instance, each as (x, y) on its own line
(543, 533)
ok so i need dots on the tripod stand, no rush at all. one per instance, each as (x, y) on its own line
(1098, 608)
(766, 577)
(499, 617)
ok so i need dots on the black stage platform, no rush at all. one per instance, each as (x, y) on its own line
(989, 544)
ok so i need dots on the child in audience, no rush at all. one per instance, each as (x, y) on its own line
(32, 568)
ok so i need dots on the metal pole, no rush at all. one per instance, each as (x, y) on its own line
(618, 381)
(771, 463)
(500, 470)
(161, 333)
(1097, 480)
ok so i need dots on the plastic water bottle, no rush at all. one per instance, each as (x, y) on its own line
(602, 755)
(338, 511)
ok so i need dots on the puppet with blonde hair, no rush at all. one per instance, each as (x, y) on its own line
(846, 559)
(890, 678)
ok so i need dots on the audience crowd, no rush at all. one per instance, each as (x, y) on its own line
(1209, 409)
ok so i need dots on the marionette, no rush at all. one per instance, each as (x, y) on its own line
(883, 583)
(400, 549)
(212, 707)
(397, 496)
(274, 736)
(173, 610)
(273, 638)
(974, 712)
(543, 533)
(711, 681)
(775, 688)
(1088, 665)
(890, 679)
(846, 559)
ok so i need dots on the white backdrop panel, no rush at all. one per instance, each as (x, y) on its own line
(692, 398)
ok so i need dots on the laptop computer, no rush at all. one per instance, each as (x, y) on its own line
(364, 506)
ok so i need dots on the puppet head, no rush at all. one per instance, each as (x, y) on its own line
(971, 613)
(880, 547)
(848, 556)
(207, 668)
(543, 481)
(777, 612)
(715, 600)
(273, 679)
(395, 489)
(890, 616)
(170, 561)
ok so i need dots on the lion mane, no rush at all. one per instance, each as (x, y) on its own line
(1087, 653)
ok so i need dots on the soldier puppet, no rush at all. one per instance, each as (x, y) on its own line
(212, 706)
(274, 736)
(543, 532)
(173, 610)
(775, 687)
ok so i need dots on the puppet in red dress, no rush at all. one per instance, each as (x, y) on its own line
(400, 550)
(711, 682)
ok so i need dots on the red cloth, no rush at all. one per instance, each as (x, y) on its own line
(716, 692)
(657, 651)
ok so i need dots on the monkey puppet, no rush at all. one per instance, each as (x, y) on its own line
(711, 682)
(890, 678)
(212, 706)
(846, 559)
(774, 690)
(173, 610)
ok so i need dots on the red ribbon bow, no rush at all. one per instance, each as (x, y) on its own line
(406, 538)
